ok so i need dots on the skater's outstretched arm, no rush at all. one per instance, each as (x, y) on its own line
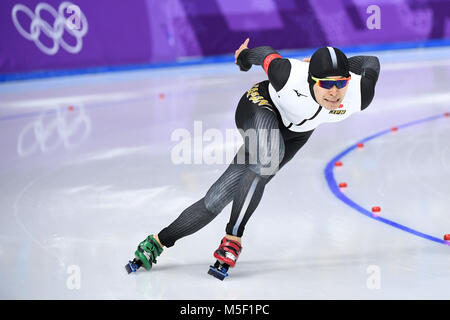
(369, 69)
(277, 68)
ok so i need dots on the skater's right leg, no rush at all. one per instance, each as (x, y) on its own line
(201, 212)
(256, 160)
(206, 209)
(195, 216)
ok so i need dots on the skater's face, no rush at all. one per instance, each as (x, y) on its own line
(330, 98)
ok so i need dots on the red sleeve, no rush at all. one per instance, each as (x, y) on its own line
(269, 59)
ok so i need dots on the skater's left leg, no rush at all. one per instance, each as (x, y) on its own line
(252, 188)
(230, 246)
(266, 151)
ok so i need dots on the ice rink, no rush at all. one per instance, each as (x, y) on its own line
(87, 171)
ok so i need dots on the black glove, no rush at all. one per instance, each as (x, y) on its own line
(241, 60)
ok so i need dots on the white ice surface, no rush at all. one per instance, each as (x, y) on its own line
(83, 187)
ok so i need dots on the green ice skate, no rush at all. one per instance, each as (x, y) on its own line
(146, 254)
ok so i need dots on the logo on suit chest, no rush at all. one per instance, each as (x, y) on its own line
(338, 111)
(299, 94)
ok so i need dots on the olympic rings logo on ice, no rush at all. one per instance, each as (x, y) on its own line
(55, 32)
(46, 135)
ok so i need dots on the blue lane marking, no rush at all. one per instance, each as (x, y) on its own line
(333, 185)
(214, 59)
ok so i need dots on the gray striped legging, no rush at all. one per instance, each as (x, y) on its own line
(267, 147)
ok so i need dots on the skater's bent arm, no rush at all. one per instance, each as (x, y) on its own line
(277, 68)
(369, 69)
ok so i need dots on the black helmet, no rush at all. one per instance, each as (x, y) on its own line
(327, 62)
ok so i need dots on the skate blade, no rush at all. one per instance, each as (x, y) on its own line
(131, 267)
(217, 273)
